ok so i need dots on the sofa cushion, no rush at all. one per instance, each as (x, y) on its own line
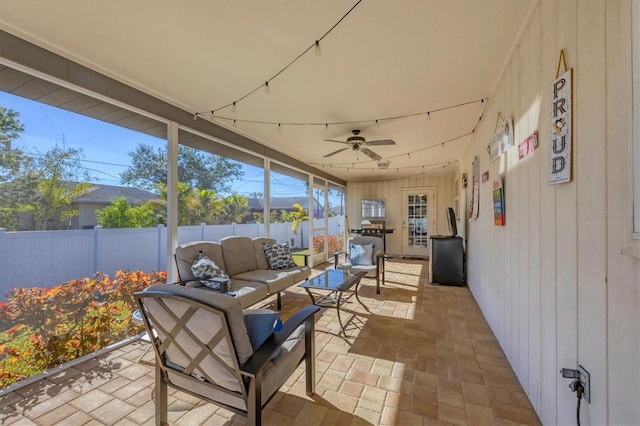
(205, 269)
(238, 255)
(248, 292)
(278, 256)
(186, 253)
(258, 249)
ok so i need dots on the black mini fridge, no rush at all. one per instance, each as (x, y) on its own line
(446, 256)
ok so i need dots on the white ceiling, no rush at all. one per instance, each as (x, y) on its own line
(385, 59)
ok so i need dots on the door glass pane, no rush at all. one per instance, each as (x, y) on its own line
(336, 219)
(318, 221)
(417, 223)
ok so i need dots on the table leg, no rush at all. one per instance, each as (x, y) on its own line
(358, 297)
(338, 311)
(313, 301)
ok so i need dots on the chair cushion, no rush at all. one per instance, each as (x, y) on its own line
(361, 254)
(258, 249)
(204, 268)
(261, 323)
(278, 256)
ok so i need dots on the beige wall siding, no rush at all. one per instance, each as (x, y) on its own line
(391, 191)
(553, 283)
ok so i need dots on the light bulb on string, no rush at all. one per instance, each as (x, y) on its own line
(326, 126)
(317, 51)
(233, 107)
(279, 127)
(377, 123)
(428, 115)
(195, 116)
(234, 123)
(442, 145)
(266, 88)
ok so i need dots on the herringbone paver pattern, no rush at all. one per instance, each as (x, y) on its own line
(417, 355)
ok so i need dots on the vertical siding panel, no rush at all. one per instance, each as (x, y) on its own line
(514, 195)
(590, 173)
(522, 168)
(509, 216)
(534, 160)
(622, 271)
(549, 378)
(566, 235)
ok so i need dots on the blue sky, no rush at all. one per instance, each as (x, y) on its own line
(106, 146)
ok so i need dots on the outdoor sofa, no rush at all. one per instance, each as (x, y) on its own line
(252, 278)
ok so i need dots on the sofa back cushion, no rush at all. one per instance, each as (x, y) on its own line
(258, 248)
(186, 254)
(238, 253)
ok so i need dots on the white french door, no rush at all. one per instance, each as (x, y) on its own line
(418, 220)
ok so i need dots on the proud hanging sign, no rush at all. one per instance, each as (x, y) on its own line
(560, 94)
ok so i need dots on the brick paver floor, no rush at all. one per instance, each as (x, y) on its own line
(417, 355)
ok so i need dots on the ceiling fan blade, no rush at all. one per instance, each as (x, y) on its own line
(333, 140)
(380, 142)
(335, 152)
(370, 154)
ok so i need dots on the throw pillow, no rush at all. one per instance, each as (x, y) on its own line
(261, 323)
(206, 269)
(278, 256)
(361, 254)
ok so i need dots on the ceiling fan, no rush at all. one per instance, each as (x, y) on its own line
(359, 143)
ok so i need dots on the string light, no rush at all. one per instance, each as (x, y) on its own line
(315, 45)
(195, 116)
(266, 88)
(334, 123)
(234, 123)
(279, 127)
(233, 108)
(428, 115)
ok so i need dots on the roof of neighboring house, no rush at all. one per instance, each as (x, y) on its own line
(280, 203)
(103, 194)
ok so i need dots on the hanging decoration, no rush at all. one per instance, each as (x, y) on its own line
(528, 145)
(498, 202)
(561, 101)
(475, 194)
(502, 140)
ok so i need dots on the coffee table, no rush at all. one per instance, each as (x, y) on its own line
(336, 281)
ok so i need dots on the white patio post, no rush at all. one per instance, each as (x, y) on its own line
(172, 199)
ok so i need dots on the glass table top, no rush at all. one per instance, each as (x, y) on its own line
(333, 279)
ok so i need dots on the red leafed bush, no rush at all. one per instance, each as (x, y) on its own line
(45, 327)
(334, 243)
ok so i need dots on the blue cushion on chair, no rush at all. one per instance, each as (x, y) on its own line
(261, 323)
(361, 254)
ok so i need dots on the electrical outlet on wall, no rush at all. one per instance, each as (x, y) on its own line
(585, 378)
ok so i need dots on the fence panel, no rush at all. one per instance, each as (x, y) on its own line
(47, 258)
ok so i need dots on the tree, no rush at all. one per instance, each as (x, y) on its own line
(234, 209)
(205, 206)
(296, 217)
(10, 158)
(58, 178)
(120, 214)
(159, 205)
(197, 169)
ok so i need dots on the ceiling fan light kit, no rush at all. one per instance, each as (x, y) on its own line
(359, 143)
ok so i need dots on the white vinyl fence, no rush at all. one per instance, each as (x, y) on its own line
(49, 258)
